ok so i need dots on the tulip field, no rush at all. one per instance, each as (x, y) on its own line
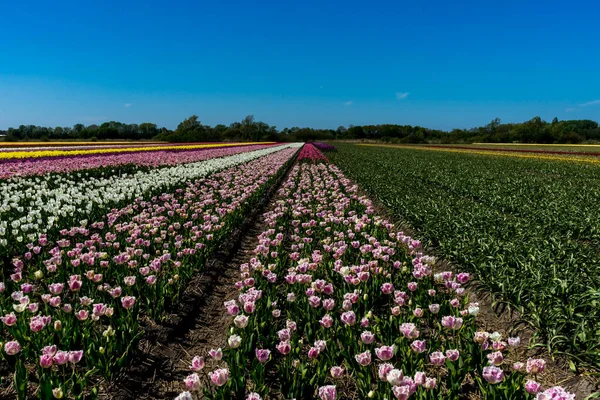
(526, 225)
(334, 302)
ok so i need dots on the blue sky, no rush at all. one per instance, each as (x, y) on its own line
(436, 63)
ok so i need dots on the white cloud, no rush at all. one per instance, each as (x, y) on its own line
(590, 103)
(127, 105)
(570, 109)
(402, 95)
(348, 103)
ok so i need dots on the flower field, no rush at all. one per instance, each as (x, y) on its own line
(73, 304)
(334, 301)
(527, 227)
(35, 206)
(41, 166)
(11, 155)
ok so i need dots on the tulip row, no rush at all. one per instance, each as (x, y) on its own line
(337, 303)
(32, 207)
(59, 146)
(9, 155)
(76, 306)
(529, 229)
(70, 143)
(106, 162)
(324, 146)
(311, 153)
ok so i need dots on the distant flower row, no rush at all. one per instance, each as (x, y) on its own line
(324, 146)
(32, 207)
(311, 153)
(26, 154)
(36, 166)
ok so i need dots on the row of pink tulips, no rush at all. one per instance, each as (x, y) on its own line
(311, 153)
(337, 303)
(73, 308)
(151, 159)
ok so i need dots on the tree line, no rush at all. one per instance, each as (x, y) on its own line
(191, 129)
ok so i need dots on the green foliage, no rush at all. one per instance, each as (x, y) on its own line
(248, 129)
(528, 228)
(108, 130)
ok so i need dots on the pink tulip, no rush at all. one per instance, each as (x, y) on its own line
(336, 371)
(555, 393)
(409, 330)
(11, 348)
(535, 366)
(395, 377)
(532, 387)
(75, 356)
(128, 302)
(430, 383)
(197, 363)
(496, 358)
(437, 358)
(493, 374)
(327, 392)
(418, 346)
(420, 378)
(46, 361)
(387, 288)
(452, 355)
(241, 321)
(192, 382)
(383, 371)
(9, 319)
(262, 355)
(61, 357)
(363, 359)
(367, 337)
(326, 321)
(216, 354)
(219, 377)
(349, 318)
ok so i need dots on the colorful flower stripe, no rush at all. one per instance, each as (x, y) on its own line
(44, 205)
(494, 152)
(62, 153)
(28, 167)
(338, 304)
(324, 146)
(311, 153)
(85, 147)
(508, 150)
(80, 301)
(60, 143)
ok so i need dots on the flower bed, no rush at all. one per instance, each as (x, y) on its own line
(337, 303)
(324, 146)
(311, 153)
(73, 309)
(33, 207)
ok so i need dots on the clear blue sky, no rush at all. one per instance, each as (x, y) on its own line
(435, 63)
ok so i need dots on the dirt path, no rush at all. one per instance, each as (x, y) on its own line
(199, 323)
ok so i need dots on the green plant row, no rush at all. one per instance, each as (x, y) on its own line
(529, 229)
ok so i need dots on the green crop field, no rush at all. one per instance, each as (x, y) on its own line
(528, 228)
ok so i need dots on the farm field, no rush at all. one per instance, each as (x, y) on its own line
(527, 227)
(331, 301)
(588, 148)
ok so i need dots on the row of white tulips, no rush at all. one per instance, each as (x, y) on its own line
(30, 207)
